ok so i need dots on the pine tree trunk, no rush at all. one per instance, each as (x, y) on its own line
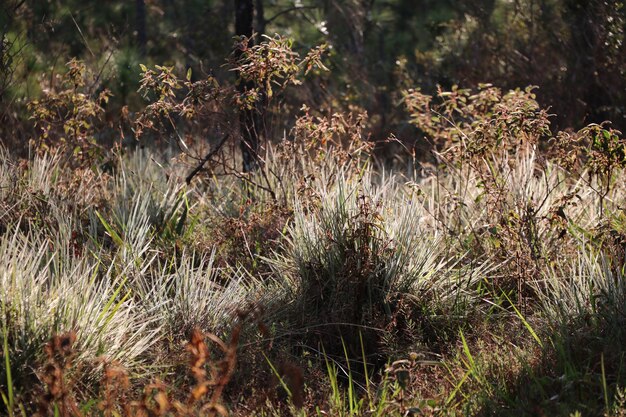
(244, 18)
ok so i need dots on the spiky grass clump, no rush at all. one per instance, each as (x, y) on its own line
(361, 261)
(53, 278)
(591, 288)
(45, 292)
(526, 214)
(94, 255)
(193, 293)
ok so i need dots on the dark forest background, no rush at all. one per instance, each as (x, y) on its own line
(572, 50)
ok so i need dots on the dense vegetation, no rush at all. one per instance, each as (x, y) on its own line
(312, 208)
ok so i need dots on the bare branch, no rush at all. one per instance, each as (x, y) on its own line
(289, 10)
(206, 158)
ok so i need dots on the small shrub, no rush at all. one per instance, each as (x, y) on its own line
(69, 120)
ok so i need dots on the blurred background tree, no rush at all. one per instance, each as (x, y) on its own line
(573, 50)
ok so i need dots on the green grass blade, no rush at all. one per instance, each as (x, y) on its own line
(277, 374)
(467, 352)
(457, 388)
(9, 399)
(351, 397)
(605, 390)
(332, 377)
(111, 300)
(109, 229)
(6, 402)
(526, 324)
(367, 379)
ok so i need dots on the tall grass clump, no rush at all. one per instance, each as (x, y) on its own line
(56, 273)
(145, 199)
(586, 298)
(360, 267)
(193, 293)
(580, 314)
(45, 293)
(507, 187)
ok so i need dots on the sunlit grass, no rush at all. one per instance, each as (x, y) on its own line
(375, 277)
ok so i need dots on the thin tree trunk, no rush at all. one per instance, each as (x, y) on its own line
(244, 17)
(140, 19)
(260, 18)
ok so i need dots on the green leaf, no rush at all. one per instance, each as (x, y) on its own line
(189, 74)
(114, 235)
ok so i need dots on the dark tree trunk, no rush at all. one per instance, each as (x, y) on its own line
(244, 18)
(140, 20)
(260, 18)
(582, 70)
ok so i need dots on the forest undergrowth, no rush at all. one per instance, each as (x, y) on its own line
(486, 278)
